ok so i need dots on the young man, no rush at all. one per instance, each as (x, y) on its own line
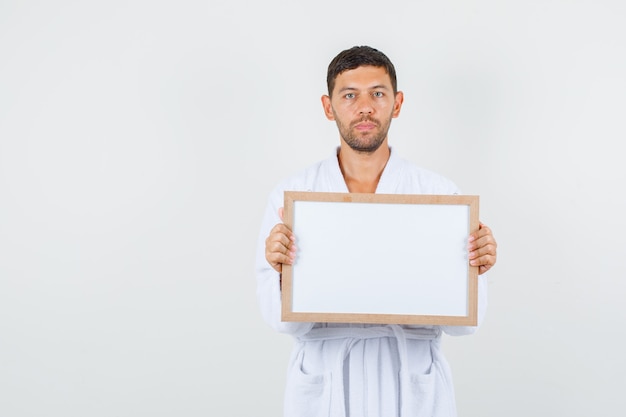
(356, 369)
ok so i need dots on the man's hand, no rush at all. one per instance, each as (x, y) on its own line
(482, 249)
(279, 246)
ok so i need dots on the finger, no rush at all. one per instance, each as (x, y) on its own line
(485, 247)
(484, 263)
(281, 228)
(277, 260)
(281, 233)
(483, 268)
(483, 230)
(481, 239)
(280, 244)
(486, 259)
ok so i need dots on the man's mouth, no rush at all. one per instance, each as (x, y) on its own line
(365, 125)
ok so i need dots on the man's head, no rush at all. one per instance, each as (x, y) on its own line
(362, 98)
(355, 57)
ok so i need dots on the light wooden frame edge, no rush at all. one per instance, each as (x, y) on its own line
(472, 201)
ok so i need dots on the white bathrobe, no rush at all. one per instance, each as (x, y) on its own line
(361, 370)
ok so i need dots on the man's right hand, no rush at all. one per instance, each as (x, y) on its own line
(280, 246)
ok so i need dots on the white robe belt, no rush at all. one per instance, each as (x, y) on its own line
(391, 330)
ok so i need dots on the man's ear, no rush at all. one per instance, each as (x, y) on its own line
(328, 108)
(397, 105)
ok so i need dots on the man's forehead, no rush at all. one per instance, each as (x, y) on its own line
(366, 76)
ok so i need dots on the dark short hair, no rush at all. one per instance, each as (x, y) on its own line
(355, 57)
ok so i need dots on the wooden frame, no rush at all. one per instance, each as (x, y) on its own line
(382, 258)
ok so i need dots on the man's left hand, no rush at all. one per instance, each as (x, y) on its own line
(482, 249)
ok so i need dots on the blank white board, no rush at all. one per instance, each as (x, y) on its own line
(380, 258)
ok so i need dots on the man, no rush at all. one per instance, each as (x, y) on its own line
(355, 369)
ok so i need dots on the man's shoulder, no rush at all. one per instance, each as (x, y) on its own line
(426, 180)
(412, 168)
(305, 178)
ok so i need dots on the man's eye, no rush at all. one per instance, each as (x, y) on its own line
(350, 95)
(378, 94)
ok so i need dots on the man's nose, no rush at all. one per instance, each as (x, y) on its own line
(365, 105)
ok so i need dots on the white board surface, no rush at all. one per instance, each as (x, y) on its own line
(380, 257)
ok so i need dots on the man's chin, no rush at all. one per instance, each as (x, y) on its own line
(368, 147)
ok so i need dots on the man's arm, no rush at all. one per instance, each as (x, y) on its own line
(274, 248)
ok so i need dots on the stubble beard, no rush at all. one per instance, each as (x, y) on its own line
(364, 143)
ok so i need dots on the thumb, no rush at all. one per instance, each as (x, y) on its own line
(281, 211)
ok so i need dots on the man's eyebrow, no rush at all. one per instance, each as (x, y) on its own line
(374, 87)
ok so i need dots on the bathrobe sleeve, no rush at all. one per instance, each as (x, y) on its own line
(268, 280)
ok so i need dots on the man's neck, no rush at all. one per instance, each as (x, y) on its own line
(362, 171)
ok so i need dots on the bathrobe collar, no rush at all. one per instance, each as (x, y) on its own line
(387, 184)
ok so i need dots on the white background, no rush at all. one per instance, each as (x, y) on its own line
(139, 141)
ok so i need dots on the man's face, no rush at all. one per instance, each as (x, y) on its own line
(362, 105)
